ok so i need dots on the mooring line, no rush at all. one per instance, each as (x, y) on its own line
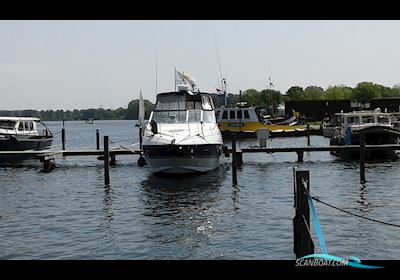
(314, 216)
(350, 213)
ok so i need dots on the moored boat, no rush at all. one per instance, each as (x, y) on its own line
(23, 133)
(182, 135)
(377, 128)
(244, 121)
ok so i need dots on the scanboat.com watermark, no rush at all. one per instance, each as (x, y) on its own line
(329, 260)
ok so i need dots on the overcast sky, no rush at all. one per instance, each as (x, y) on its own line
(88, 64)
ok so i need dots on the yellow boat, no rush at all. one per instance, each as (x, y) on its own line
(244, 122)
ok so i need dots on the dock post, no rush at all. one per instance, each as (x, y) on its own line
(302, 242)
(362, 158)
(300, 155)
(234, 162)
(63, 138)
(106, 162)
(294, 186)
(97, 140)
(239, 158)
(308, 135)
(141, 137)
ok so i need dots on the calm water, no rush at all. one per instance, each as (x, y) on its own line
(69, 214)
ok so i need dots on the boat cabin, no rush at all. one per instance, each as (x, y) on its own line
(19, 125)
(361, 119)
(182, 107)
(237, 114)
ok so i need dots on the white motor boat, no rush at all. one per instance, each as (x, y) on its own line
(182, 135)
(23, 133)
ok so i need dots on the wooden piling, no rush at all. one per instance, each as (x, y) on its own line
(141, 137)
(63, 138)
(308, 135)
(97, 140)
(234, 162)
(302, 242)
(300, 156)
(294, 185)
(362, 158)
(106, 162)
(239, 157)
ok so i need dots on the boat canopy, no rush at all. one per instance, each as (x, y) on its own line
(182, 101)
(16, 119)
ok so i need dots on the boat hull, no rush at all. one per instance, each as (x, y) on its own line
(182, 159)
(373, 136)
(24, 142)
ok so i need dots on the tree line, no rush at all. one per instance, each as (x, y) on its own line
(267, 98)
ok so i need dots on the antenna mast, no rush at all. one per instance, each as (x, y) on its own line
(156, 73)
(222, 81)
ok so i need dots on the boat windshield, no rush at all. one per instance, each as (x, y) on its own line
(7, 124)
(353, 120)
(383, 119)
(169, 116)
(367, 119)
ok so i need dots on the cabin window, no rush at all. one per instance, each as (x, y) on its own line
(225, 115)
(208, 117)
(367, 119)
(206, 102)
(232, 115)
(6, 124)
(31, 126)
(246, 114)
(239, 114)
(21, 126)
(212, 103)
(353, 120)
(194, 115)
(383, 120)
(169, 116)
(171, 103)
(193, 105)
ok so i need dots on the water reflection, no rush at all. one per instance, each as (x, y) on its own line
(182, 209)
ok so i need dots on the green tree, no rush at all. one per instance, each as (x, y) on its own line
(313, 93)
(365, 91)
(338, 93)
(296, 93)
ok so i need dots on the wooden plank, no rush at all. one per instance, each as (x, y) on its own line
(319, 149)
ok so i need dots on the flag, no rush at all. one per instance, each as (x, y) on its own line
(184, 78)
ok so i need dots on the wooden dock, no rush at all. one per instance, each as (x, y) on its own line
(237, 158)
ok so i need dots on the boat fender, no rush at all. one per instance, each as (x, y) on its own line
(226, 151)
(154, 127)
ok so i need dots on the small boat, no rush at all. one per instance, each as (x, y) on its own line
(182, 135)
(90, 121)
(377, 128)
(244, 121)
(23, 133)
